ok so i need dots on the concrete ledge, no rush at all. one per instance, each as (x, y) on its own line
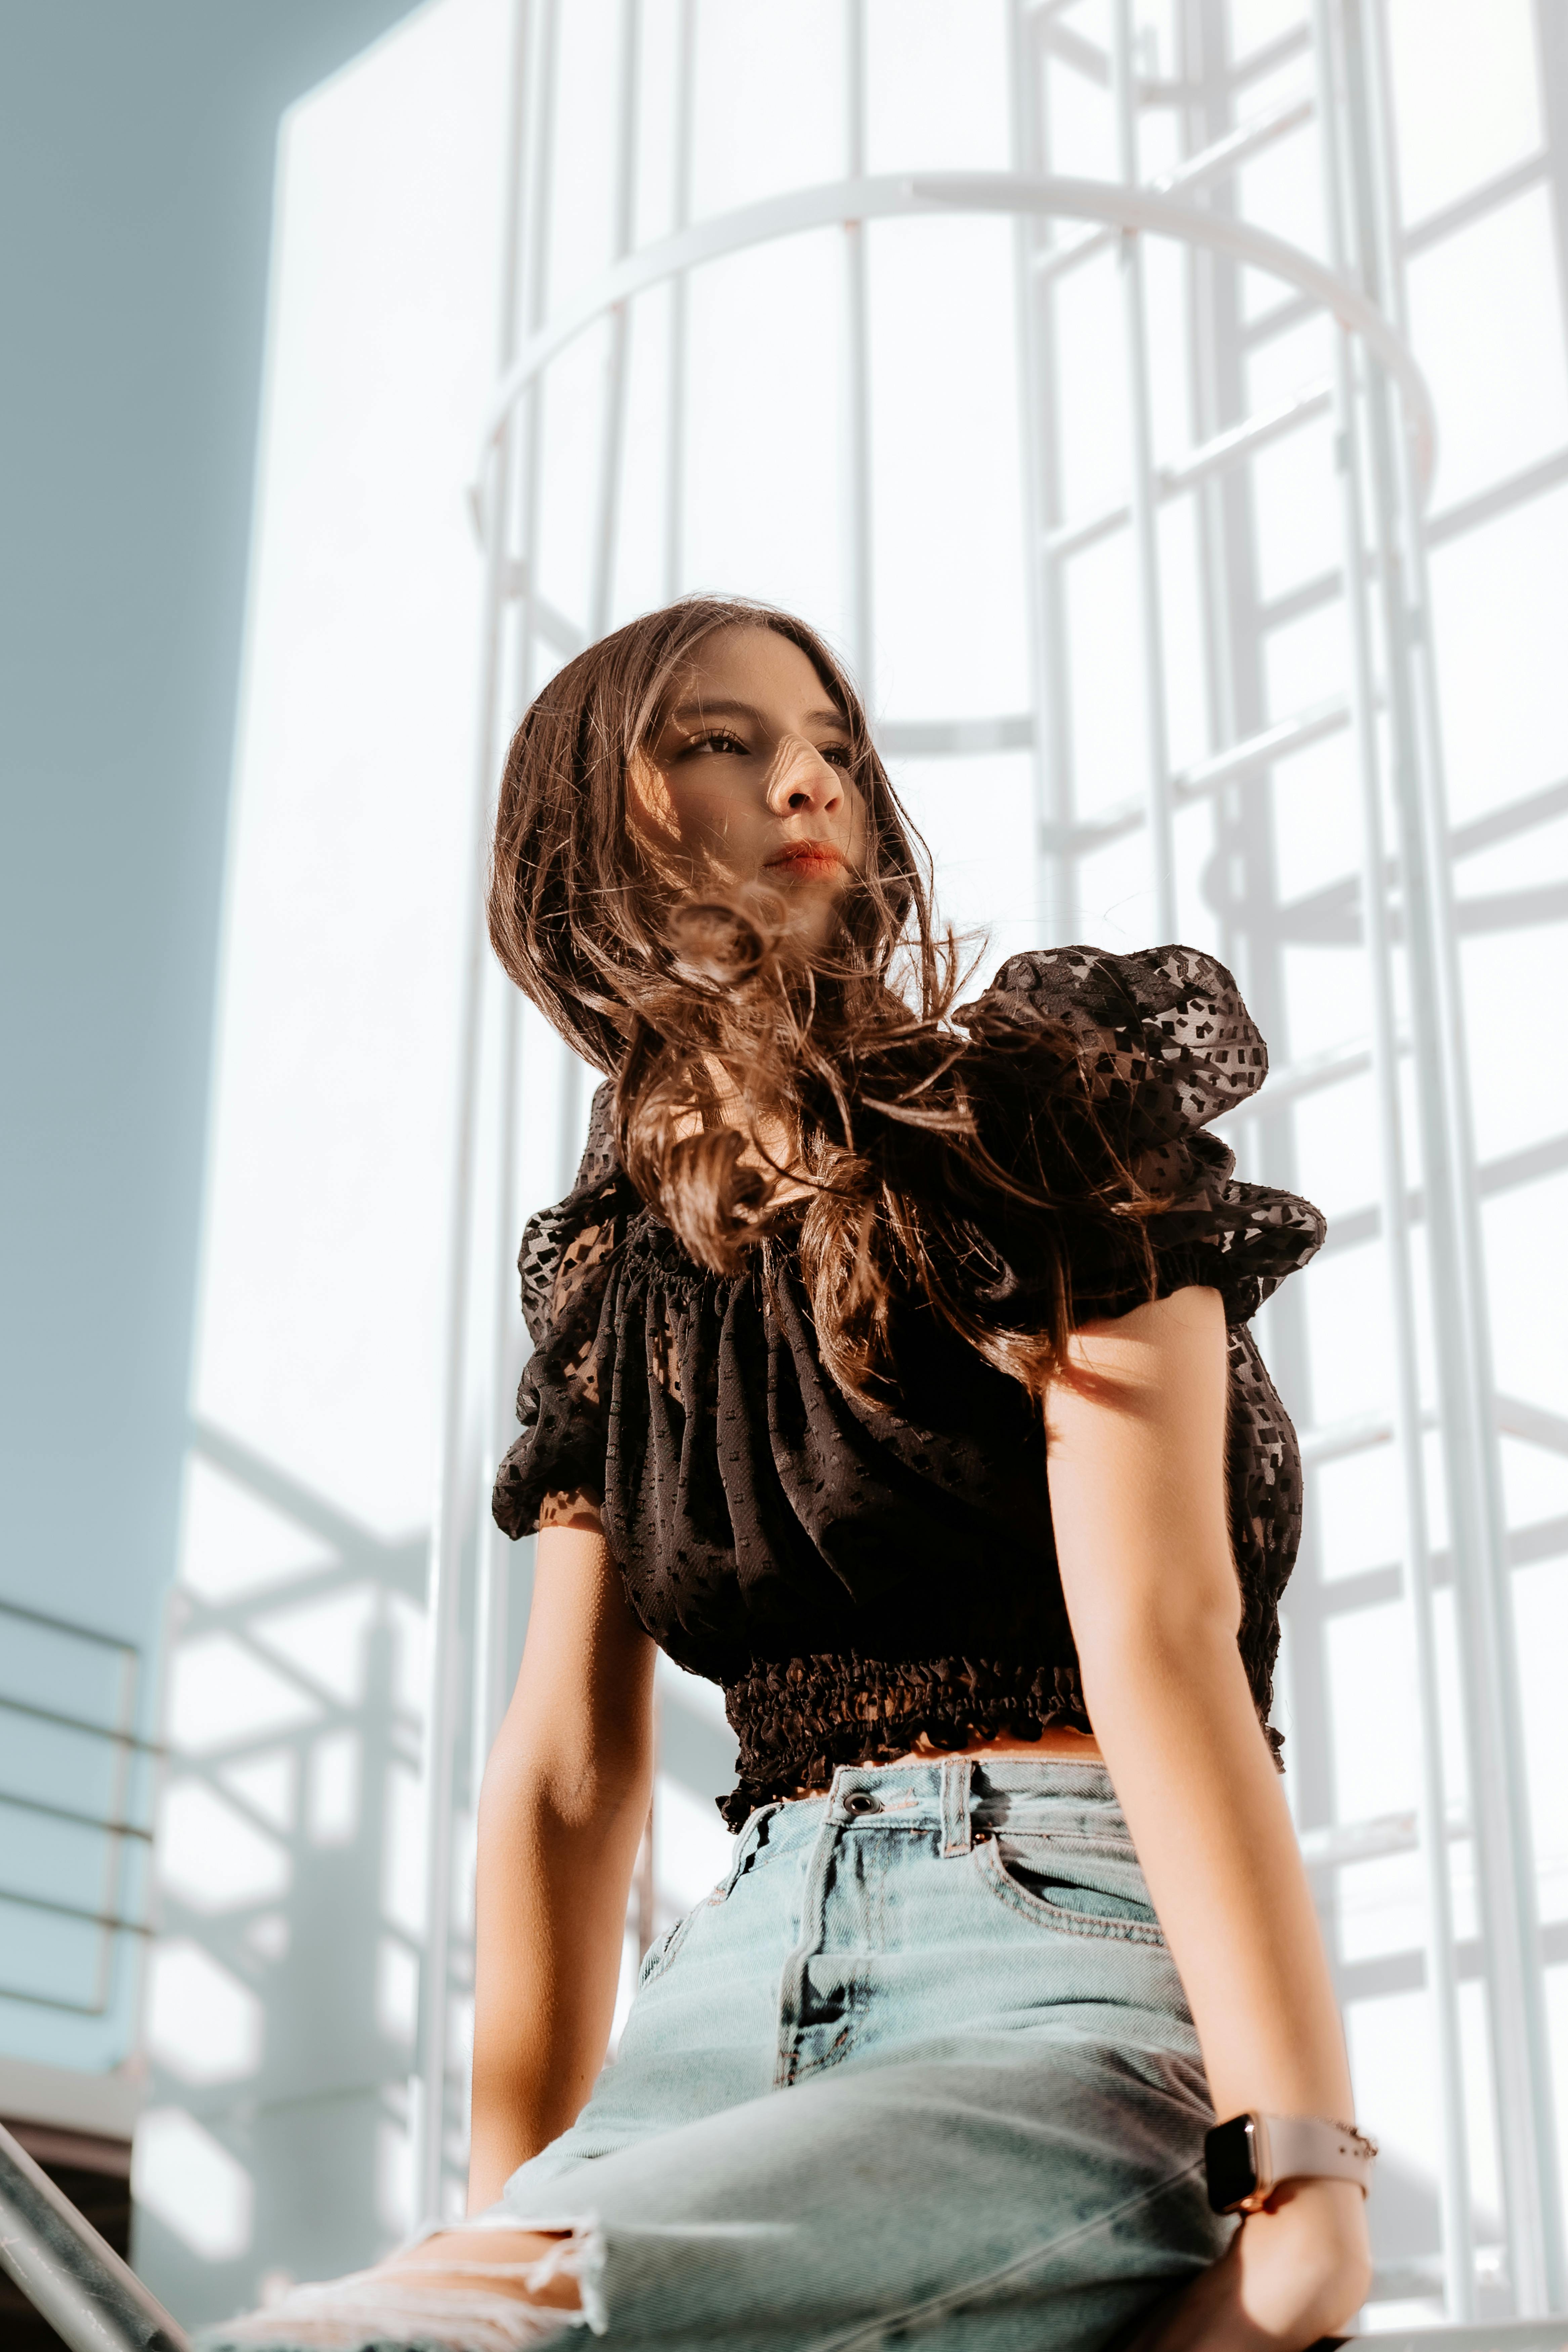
(1489, 2335)
(104, 2107)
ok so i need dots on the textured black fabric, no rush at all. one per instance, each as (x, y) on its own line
(855, 1575)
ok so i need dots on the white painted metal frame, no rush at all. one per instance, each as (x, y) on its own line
(1384, 426)
(1350, 40)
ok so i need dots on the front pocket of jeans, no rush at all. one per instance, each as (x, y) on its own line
(751, 1856)
(666, 1946)
(663, 1949)
(1076, 1893)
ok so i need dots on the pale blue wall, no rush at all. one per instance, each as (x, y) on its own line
(136, 162)
(136, 157)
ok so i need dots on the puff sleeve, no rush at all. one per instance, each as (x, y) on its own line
(565, 1264)
(1166, 1045)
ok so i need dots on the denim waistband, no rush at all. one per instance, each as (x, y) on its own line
(961, 1798)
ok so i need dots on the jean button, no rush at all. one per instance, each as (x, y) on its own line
(861, 1800)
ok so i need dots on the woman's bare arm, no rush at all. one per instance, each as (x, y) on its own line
(566, 1796)
(1136, 1456)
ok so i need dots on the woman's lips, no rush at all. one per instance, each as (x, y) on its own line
(810, 860)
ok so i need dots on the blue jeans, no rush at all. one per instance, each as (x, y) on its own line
(920, 2064)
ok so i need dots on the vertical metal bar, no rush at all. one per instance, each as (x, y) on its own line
(530, 200)
(1204, 116)
(492, 1553)
(1552, 57)
(1244, 858)
(643, 1909)
(613, 429)
(1143, 491)
(1503, 1844)
(492, 1549)
(446, 1525)
(427, 2100)
(1442, 1985)
(1034, 301)
(674, 414)
(537, 280)
(856, 457)
(1531, 2052)
(642, 1890)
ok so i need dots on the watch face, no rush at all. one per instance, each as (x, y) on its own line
(1231, 2162)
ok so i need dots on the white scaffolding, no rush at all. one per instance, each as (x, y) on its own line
(1402, 916)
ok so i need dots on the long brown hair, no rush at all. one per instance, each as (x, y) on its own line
(839, 1088)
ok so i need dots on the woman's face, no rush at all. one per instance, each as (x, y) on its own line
(746, 779)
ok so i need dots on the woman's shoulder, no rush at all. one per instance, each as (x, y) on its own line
(568, 1245)
(1166, 1045)
(1163, 1026)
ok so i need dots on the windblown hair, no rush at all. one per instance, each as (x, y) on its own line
(756, 1083)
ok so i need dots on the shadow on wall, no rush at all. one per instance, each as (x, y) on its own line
(283, 1980)
(1407, 2243)
(282, 1992)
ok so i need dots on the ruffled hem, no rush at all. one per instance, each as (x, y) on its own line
(797, 1720)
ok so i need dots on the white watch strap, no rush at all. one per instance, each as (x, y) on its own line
(1308, 2148)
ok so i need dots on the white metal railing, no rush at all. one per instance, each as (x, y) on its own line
(1401, 910)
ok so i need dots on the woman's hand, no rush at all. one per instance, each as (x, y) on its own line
(1293, 2273)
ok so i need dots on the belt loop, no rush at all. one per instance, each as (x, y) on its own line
(747, 1838)
(956, 1772)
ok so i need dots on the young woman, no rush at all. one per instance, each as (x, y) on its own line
(892, 1369)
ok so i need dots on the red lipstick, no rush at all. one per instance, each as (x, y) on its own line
(810, 860)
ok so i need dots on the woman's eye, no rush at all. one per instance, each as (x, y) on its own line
(838, 755)
(720, 741)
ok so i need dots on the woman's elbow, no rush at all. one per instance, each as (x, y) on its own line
(1186, 1635)
(584, 1782)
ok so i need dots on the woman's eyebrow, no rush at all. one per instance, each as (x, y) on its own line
(695, 713)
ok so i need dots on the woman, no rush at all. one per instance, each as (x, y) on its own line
(892, 1369)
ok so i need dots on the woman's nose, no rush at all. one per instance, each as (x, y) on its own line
(803, 784)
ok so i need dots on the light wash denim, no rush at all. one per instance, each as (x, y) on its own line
(919, 2069)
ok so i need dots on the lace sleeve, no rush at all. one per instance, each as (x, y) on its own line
(1168, 1046)
(555, 1468)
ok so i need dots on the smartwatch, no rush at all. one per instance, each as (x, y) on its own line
(1247, 2158)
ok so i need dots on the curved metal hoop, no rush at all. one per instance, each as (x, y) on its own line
(899, 196)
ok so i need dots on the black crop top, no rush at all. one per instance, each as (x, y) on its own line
(855, 1576)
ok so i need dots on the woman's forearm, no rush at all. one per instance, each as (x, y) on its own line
(1176, 1725)
(1138, 1500)
(1135, 1428)
(566, 1796)
(553, 1871)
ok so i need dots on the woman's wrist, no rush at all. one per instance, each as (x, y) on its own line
(1305, 2257)
(1249, 2155)
(1296, 2271)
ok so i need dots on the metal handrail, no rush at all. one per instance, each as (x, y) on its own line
(1488, 2335)
(92, 2300)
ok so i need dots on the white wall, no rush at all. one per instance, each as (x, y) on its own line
(280, 1994)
